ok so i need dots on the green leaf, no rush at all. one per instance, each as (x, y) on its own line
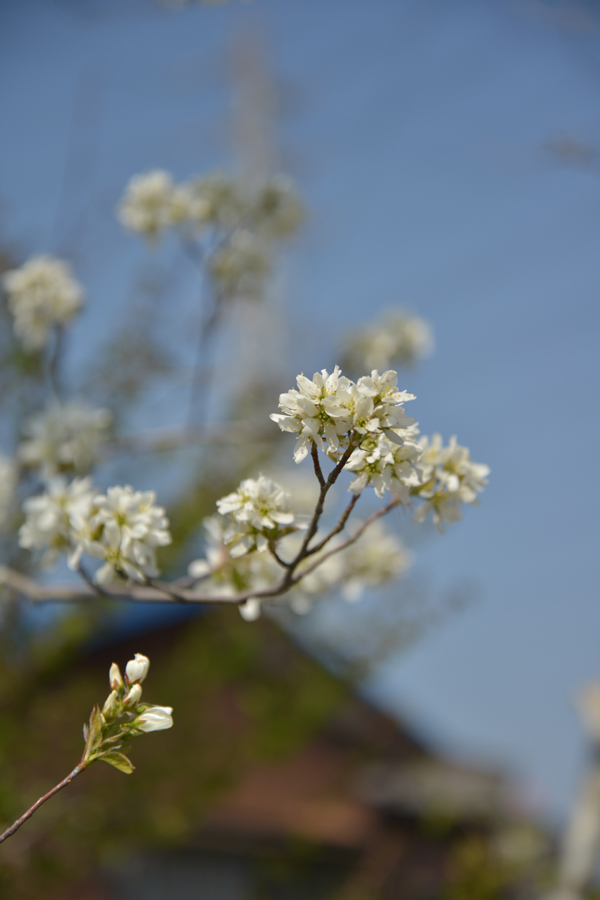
(119, 761)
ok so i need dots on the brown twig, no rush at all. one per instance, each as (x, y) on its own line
(351, 540)
(16, 825)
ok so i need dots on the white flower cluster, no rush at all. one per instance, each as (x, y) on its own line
(122, 527)
(386, 466)
(64, 436)
(256, 512)
(122, 717)
(8, 484)
(334, 413)
(332, 409)
(52, 518)
(244, 221)
(41, 293)
(126, 694)
(399, 339)
(449, 479)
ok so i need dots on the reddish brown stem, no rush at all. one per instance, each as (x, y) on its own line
(16, 825)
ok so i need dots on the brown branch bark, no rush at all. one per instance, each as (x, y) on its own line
(27, 815)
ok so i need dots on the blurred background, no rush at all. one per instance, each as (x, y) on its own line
(448, 158)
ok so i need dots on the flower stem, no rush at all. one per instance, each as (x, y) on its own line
(16, 825)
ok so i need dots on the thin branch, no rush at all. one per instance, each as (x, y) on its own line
(180, 592)
(351, 540)
(325, 487)
(16, 825)
(314, 452)
(100, 592)
(341, 524)
(276, 556)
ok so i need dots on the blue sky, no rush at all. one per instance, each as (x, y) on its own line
(417, 132)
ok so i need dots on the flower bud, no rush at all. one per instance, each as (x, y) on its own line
(156, 718)
(110, 706)
(134, 696)
(115, 677)
(137, 668)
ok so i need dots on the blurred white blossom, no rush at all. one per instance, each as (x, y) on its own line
(64, 436)
(399, 339)
(214, 199)
(377, 557)
(450, 478)
(150, 204)
(223, 574)
(52, 518)
(41, 293)
(122, 527)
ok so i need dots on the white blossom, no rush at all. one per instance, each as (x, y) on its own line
(316, 411)
(376, 405)
(449, 479)
(240, 267)
(155, 718)
(53, 517)
(385, 465)
(133, 696)
(250, 610)
(41, 293)
(63, 436)
(255, 510)
(150, 204)
(399, 339)
(137, 668)
(125, 531)
(330, 407)
(114, 677)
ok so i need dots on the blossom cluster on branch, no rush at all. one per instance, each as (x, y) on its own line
(123, 528)
(258, 545)
(123, 717)
(366, 419)
(237, 222)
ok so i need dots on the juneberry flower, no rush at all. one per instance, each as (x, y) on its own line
(41, 293)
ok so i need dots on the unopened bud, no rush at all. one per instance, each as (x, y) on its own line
(115, 678)
(134, 696)
(137, 668)
(110, 706)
